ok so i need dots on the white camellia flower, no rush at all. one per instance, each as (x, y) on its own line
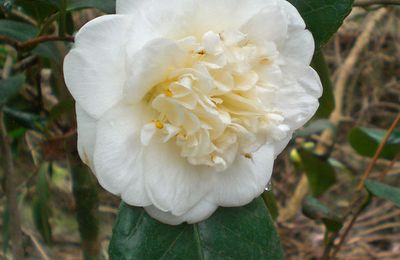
(183, 105)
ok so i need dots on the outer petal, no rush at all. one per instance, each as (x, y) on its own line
(299, 48)
(228, 14)
(201, 211)
(296, 22)
(297, 105)
(86, 135)
(281, 145)
(263, 27)
(118, 151)
(95, 69)
(244, 180)
(171, 182)
(129, 6)
(311, 82)
(176, 19)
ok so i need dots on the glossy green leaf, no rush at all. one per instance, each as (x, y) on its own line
(107, 6)
(314, 209)
(28, 120)
(384, 191)
(323, 17)
(320, 174)
(327, 100)
(272, 205)
(230, 233)
(366, 141)
(40, 206)
(316, 127)
(23, 32)
(38, 9)
(48, 50)
(10, 87)
(17, 30)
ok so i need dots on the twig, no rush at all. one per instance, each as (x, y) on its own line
(25, 63)
(346, 231)
(37, 244)
(366, 3)
(383, 174)
(378, 152)
(361, 185)
(10, 186)
(34, 42)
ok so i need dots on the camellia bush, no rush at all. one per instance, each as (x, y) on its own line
(180, 109)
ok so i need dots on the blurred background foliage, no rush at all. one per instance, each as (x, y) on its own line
(335, 190)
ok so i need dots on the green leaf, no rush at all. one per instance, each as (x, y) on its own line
(38, 9)
(48, 50)
(327, 100)
(314, 209)
(17, 30)
(28, 120)
(23, 32)
(107, 6)
(323, 17)
(40, 206)
(384, 191)
(320, 174)
(231, 233)
(10, 88)
(272, 205)
(316, 127)
(366, 141)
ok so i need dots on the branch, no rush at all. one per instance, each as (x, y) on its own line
(366, 3)
(34, 42)
(24, 64)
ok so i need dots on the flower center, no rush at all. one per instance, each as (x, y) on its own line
(212, 108)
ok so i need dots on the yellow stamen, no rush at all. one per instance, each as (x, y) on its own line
(248, 156)
(265, 61)
(159, 124)
(168, 93)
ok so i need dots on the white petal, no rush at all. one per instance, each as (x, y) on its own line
(281, 145)
(297, 107)
(86, 126)
(94, 70)
(118, 153)
(228, 14)
(164, 217)
(200, 212)
(244, 180)
(147, 133)
(264, 27)
(172, 183)
(296, 22)
(129, 6)
(311, 83)
(151, 66)
(173, 18)
(299, 47)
